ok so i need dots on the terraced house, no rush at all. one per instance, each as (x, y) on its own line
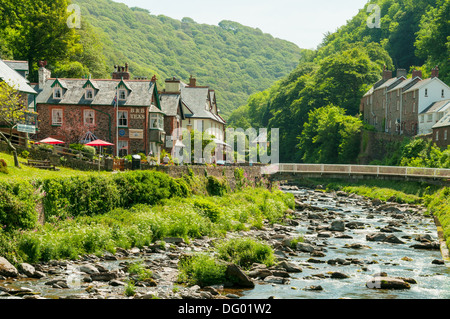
(406, 106)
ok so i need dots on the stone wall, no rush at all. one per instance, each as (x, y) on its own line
(376, 145)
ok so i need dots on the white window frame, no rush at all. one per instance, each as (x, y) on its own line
(119, 118)
(55, 95)
(57, 121)
(123, 146)
(122, 94)
(437, 136)
(430, 118)
(89, 114)
(445, 135)
(91, 91)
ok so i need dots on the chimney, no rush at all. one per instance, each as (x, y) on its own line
(387, 74)
(121, 72)
(416, 73)
(43, 74)
(173, 85)
(401, 72)
(192, 81)
(435, 72)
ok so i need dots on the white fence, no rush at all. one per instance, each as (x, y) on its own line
(358, 170)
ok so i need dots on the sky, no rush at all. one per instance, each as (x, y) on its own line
(303, 22)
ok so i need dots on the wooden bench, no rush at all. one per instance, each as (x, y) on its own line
(42, 165)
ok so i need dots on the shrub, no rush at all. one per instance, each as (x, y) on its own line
(139, 270)
(202, 270)
(246, 251)
(17, 205)
(3, 167)
(216, 187)
(209, 209)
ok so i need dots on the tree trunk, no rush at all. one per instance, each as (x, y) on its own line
(12, 149)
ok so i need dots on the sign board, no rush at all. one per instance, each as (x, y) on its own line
(136, 134)
(24, 128)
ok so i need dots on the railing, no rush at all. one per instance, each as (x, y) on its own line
(351, 170)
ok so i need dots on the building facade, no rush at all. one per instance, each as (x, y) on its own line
(118, 110)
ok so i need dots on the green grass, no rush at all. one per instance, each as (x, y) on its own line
(29, 173)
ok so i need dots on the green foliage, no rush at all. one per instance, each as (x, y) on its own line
(139, 271)
(246, 251)
(130, 289)
(17, 205)
(202, 270)
(216, 187)
(208, 208)
(3, 167)
(330, 136)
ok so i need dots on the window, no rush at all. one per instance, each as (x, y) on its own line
(122, 94)
(422, 118)
(414, 107)
(430, 118)
(89, 94)
(437, 136)
(426, 92)
(398, 105)
(123, 119)
(156, 121)
(57, 117)
(57, 93)
(123, 148)
(445, 135)
(442, 93)
(89, 117)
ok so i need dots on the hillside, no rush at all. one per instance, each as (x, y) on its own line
(346, 64)
(233, 59)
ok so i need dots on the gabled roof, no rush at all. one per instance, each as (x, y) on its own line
(170, 103)
(14, 79)
(423, 83)
(439, 106)
(92, 83)
(445, 121)
(141, 93)
(196, 99)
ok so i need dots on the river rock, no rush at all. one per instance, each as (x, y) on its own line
(259, 273)
(387, 283)
(290, 267)
(305, 247)
(7, 269)
(427, 246)
(438, 262)
(27, 270)
(393, 240)
(338, 275)
(314, 288)
(277, 280)
(89, 269)
(337, 225)
(105, 276)
(379, 237)
(239, 277)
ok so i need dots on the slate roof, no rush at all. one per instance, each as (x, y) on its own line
(14, 79)
(437, 107)
(445, 121)
(196, 99)
(140, 94)
(170, 103)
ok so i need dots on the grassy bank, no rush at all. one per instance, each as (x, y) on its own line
(435, 198)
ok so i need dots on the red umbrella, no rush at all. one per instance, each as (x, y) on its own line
(50, 140)
(99, 143)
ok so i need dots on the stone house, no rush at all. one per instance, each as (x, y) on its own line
(441, 130)
(121, 111)
(393, 105)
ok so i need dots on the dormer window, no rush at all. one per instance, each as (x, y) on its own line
(57, 93)
(89, 95)
(122, 94)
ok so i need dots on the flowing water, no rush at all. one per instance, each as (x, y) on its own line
(433, 281)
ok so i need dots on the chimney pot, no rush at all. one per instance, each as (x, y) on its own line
(192, 81)
(121, 72)
(435, 72)
(416, 73)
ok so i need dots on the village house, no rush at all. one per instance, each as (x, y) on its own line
(79, 106)
(401, 106)
(14, 74)
(191, 107)
(441, 130)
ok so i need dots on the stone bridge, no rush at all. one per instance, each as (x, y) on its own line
(289, 172)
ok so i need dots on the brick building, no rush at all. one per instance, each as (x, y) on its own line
(393, 104)
(69, 108)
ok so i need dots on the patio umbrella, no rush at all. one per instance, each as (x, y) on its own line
(52, 141)
(100, 144)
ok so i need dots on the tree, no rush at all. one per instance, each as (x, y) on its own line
(329, 136)
(12, 111)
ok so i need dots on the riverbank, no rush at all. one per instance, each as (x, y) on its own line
(324, 248)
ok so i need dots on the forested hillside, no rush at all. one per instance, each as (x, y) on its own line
(233, 59)
(413, 34)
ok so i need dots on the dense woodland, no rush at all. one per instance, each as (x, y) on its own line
(413, 34)
(233, 59)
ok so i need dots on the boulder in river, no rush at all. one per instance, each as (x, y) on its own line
(393, 240)
(387, 283)
(239, 277)
(337, 225)
(379, 237)
(7, 269)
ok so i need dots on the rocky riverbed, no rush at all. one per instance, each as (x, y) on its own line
(352, 247)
